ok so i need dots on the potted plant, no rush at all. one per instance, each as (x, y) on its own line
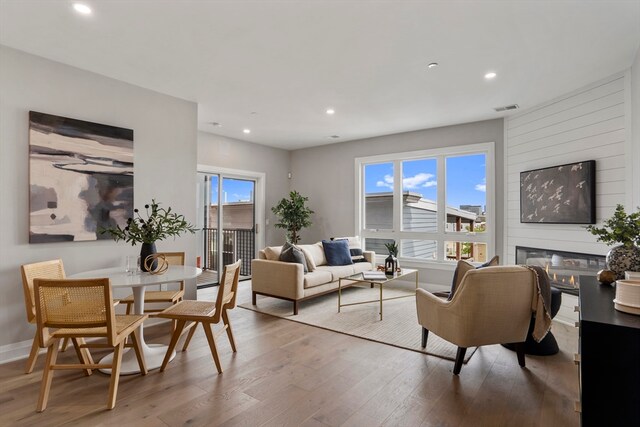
(158, 224)
(622, 229)
(293, 214)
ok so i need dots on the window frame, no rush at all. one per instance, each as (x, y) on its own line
(441, 235)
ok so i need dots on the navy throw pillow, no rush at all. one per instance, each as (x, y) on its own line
(292, 253)
(337, 252)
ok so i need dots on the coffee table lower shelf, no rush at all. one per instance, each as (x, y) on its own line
(381, 283)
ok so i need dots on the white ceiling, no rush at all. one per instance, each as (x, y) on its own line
(275, 66)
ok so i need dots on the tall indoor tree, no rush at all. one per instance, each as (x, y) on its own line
(293, 215)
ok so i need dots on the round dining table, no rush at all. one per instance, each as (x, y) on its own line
(153, 353)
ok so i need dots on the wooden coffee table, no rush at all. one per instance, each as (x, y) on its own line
(402, 274)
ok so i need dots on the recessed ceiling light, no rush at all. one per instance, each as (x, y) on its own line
(246, 130)
(215, 124)
(334, 136)
(330, 111)
(82, 8)
(490, 75)
(432, 65)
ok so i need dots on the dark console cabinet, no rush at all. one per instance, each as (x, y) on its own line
(609, 359)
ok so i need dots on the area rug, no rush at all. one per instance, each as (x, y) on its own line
(398, 328)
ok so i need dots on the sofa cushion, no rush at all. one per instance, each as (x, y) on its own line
(314, 254)
(292, 253)
(337, 252)
(316, 278)
(273, 252)
(338, 271)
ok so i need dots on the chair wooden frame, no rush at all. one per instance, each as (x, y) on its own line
(205, 313)
(78, 309)
(160, 296)
(53, 269)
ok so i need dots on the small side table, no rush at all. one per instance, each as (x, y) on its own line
(548, 346)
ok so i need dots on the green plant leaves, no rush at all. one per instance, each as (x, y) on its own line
(619, 229)
(159, 224)
(293, 214)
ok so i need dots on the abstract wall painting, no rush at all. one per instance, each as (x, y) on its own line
(80, 178)
(564, 194)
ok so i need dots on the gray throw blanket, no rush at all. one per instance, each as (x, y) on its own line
(541, 304)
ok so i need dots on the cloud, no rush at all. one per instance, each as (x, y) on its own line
(483, 186)
(418, 180)
(409, 183)
(387, 182)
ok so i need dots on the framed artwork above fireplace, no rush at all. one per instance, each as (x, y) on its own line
(563, 194)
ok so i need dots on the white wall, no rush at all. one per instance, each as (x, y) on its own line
(326, 175)
(592, 123)
(165, 168)
(635, 127)
(220, 151)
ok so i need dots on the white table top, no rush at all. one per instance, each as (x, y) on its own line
(120, 278)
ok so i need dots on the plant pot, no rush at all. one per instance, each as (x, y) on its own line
(150, 249)
(623, 258)
(390, 265)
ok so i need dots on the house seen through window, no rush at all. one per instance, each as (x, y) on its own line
(439, 209)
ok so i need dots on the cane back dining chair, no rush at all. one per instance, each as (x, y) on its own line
(171, 296)
(53, 269)
(78, 309)
(205, 313)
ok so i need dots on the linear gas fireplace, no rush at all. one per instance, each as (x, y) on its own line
(564, 268)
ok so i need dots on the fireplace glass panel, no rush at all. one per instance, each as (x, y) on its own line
(564, 268)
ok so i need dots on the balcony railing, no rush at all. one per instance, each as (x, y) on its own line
(238, 243)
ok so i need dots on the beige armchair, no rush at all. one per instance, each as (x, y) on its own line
(492, 305)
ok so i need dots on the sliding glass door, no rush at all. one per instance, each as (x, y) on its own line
(228, 224)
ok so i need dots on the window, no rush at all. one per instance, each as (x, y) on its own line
(436, 204)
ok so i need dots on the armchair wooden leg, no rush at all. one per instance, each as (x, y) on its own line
(520, 352)
(225, 320)
(295, 308)
(172, 345)
(65, 344)
(129, 305)
(253, 298)
(47, 375)
(115, 375)
(212, 345)
(459, 360)
(33, 355)
(425, 335)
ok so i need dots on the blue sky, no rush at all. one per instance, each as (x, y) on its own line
(236, 190)
(466, 179)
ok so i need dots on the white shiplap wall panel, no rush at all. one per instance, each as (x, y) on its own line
(591, 123)
(568, 101)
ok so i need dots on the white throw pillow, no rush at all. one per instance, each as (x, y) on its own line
(314, 254)
(354, 241)
(272, 252)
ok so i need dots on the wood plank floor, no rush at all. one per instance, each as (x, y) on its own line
(289, 374)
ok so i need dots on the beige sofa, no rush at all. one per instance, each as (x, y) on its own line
(288, 281)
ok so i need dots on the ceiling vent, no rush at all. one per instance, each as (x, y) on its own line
(507, 108)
